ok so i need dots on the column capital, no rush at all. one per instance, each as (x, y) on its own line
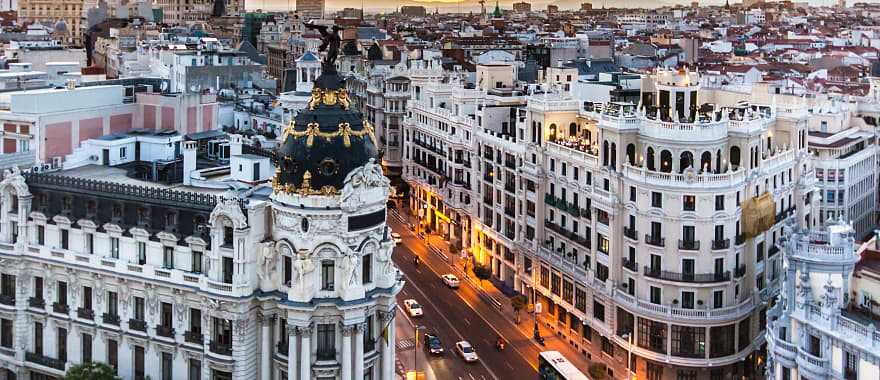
(347, 330)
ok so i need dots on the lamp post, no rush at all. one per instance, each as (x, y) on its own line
(629, 342)
(416, 329)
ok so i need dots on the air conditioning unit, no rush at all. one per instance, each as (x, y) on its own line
(45, 167)
(93, 157)
(35, 169)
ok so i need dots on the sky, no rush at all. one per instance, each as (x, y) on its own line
(472, 5)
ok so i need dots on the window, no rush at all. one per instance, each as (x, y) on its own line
(327, 275)
(197, 262)
(722, 338)
(142, 253)
(607, 347)
(122, 152)
(6, 333)
(632, 193)
(851, 365)
(601, 272)
(326, 341)
(195, 369)
(86, 348)
(689, 203)
(62, 293)
(655, 295)
(139, 308)
(687, 300)
(38, 288)
(195, 321)
(580, 300)
(567, 291)
(656, 199)
(138, 363)
(718, 299)
(113, 354)
(652, 335)
(369, 342)
(166, 366)
(688, 341)
(38, 338)
(87, 298)
(719, 202)
(367, 269)
(168, 258)
(41, 235)
(687, 374)
(90, 243)
(599, 310)
(61, 344)
(745, 334)
(114, 247)
(655, 371)
(64, 239)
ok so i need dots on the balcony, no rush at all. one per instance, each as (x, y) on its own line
(221, 348)
(631, 233)
(583, 241)
(561, 204)
(329, 354)
(282, 347)
(111, 319)
(165, 331)
(44, 360)
(720, 244)
(689, 245)
(655, 240)
(60, 308)
(7, 299)
(194, 337)
(137, 324)
(83, 313)
(36, 303)
(695, 278)
(739, 271)
(630, 264)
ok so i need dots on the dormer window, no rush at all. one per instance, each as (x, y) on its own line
(117, 211)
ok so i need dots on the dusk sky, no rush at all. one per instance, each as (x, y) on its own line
(472, 5)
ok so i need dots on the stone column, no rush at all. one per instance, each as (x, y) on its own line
(359, 351)
(305, 369)
(345, 365)
(388, 367)
(266, 349)
(292, 334)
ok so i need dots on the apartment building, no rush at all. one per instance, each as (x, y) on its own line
(647, 228)
(822, 325)
(64, 16)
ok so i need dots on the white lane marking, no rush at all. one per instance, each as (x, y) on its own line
(472, 376)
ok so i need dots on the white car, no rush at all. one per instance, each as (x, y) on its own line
(412, 307)
(466, 351)
(450, 280)
(396, 237)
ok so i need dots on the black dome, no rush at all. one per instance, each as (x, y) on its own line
(327, 140)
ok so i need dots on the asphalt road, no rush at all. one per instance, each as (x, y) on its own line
(460, 314)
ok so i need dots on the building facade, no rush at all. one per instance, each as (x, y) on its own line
(64, 16)
(290, 279)
(310, 9)
(822, 324)
(649, 229)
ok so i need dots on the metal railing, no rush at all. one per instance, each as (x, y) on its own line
(721, 244)
(111, 319)
(221, 348)
(194, 337)
(655, 240)
(85, 313)
(689, 245)
(137, 324)
(696, 278)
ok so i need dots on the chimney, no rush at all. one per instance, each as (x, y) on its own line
(190, 148)
(71, 84)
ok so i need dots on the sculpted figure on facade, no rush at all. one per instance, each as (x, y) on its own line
(268, 261)
(302, 265)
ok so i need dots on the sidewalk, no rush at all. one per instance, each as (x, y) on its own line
(492, 295)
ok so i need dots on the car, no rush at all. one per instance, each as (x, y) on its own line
(396, 237)
(432, 344)
(466, 351)
(450, 280)
(412, 307)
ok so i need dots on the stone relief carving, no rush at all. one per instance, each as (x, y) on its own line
(361, 179)
(303, 265)
(350, 264)
(268, 261)
(240, 327)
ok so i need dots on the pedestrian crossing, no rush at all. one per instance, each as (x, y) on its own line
(406, 344)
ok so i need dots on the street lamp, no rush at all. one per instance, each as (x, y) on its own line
(416, 328)
(629, 342)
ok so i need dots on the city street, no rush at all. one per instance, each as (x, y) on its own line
(461, 314)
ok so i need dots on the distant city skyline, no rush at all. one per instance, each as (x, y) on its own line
(472, 5)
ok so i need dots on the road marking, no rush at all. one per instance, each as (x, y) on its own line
(466, 321)
(448, 322)
(479, 291)
(472, 376)
(508, 365)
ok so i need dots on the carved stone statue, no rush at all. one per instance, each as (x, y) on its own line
(302, 265)
(350, 265)
(268, 255)
(330, 43)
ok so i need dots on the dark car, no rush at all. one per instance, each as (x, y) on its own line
(432, 344)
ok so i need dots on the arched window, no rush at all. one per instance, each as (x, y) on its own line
(614, 155)
(631, 154)
(552, 131)
(706, 162)
(718, 167)
(572, 129)
(734, 156)
(685, 161)
(650, 159)
(665, 161)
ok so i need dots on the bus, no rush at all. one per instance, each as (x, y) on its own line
(553, 366)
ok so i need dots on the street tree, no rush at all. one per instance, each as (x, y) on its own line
(91, 371)
(518, 303)
(482, 272)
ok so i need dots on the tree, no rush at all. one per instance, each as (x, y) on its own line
(597, 371)
(482, 272)
(518, 303)
(91, 371)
